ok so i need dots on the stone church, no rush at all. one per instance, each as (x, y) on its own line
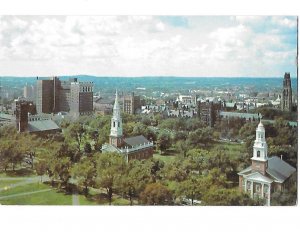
(137, 147)
(266, 174)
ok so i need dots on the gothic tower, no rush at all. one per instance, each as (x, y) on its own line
(116, 129)
(286, 99)
(260, 151)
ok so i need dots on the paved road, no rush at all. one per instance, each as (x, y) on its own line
(24, 194)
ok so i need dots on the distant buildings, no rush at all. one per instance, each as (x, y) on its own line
(265, 175)
(54, 95)
(29, 92)
(131, 103)
(286, 99)
(137, 147)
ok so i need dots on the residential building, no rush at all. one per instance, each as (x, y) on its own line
(266, 174)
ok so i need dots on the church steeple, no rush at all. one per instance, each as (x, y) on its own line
(116, 129)
(260, 150)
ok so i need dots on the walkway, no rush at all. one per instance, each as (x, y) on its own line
(24, 194)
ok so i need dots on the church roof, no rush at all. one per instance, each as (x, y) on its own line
(249, 169)
(136, 140)
(279, 169)
(256, 176)
(42, 125)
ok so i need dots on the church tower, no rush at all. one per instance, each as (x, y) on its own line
(260, 151)
(286, 100)
(116, 129)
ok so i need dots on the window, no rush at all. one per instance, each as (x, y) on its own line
(114, 124)
(118, 124)
(258, 154)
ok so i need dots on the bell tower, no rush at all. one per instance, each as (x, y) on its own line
(116, 128)
(260, 151)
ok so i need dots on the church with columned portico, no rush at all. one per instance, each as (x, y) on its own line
(266, 174)
(137, 147)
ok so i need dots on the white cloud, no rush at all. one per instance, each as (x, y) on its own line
(145, 45)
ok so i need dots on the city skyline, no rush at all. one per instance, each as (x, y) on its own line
(194, 46)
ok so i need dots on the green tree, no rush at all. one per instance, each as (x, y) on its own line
(192, 188)
(41, 168)
(137, 175)
(156, 194)
(110, 168)
(200, 137)
(75, 132)
(84, 173)
(164, 141)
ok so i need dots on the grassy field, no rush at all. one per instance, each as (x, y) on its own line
(8, 183)
(43, 194)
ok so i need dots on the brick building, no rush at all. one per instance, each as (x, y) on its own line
(54, 95)
(137, 147)
(266, 174)
(208, 112)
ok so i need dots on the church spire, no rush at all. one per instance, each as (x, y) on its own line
(116, 129)
(260, 150)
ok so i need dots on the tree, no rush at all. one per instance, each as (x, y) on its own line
(192, 188)
(60, 170)
(182, 147)
(137, 175)
(84, 173)
(156, 194)
(87, 147)
(200, 136)
(41, 168)
(228, 197)
(110, 168)
(164, 141)
(76, 131)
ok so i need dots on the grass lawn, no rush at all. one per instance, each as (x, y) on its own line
(8, 183)
(164, 158)
(233, 149)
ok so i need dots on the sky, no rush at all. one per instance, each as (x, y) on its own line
(194, 46)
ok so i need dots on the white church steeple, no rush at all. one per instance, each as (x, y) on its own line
(260, 147)
(116, 129)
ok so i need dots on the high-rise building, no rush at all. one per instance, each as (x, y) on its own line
(286, 99)
(208, 112)
(131, 103)
(54, 95)
(81, 98)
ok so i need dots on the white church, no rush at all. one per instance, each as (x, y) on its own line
(266, 174)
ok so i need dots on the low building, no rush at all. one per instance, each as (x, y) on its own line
(247, 116)
(137, 147)
(266, 174)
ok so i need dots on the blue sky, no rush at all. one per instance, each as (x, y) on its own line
(251, 46)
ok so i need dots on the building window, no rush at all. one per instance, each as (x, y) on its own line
(118, 124)
(258, 154)
(114, 124)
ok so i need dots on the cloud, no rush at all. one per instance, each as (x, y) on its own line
(147, 45)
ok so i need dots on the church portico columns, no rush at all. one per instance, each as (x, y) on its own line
(269, 195)
(251, 189)
(262, 190)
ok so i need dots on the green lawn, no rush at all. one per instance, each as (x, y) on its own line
(8, 183)
(164, 158)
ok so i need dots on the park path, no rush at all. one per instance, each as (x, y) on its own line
(27, 180)
(24, 194)
(75, 199)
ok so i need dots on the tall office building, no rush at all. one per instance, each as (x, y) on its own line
(286, 99)
(131, 103)
(54, 95)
